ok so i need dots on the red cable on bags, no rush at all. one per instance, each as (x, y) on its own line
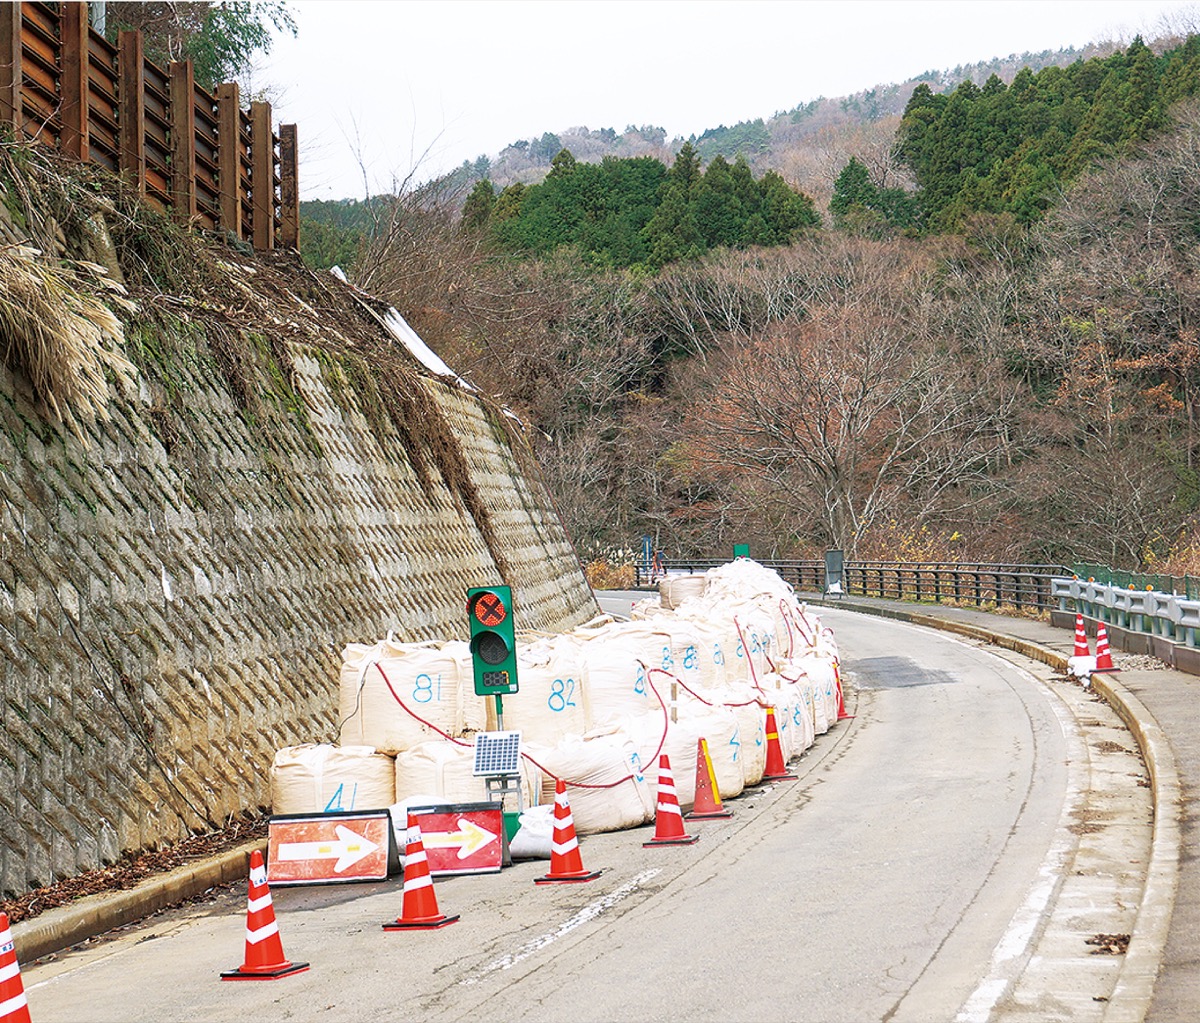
(404, 707)
(749, 659)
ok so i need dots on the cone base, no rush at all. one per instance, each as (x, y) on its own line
(684, 840)
(420, 925)
(708, 815)
(273, 973)
(844, 717)
(568, 878)
(780, 777)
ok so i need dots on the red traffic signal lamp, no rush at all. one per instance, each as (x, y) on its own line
(493, 642)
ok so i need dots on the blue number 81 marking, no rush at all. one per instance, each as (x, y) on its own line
(718, 654)
(639, 686)
(735, 742)
(689, 659)
(668, 660)
(637, 766)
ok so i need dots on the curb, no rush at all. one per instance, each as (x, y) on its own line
(68, 925)
(1134, 990)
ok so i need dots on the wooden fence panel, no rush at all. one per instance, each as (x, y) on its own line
(103, 112)
(41, 98)
(214, 165)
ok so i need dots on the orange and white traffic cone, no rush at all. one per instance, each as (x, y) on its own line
(419, 911)
(13, 1008)
(1081, 640)
(668, 819)
(264, 949)
(776, 770)
(708, 805)
(566, 864)
(841, 706)
(1104, 661)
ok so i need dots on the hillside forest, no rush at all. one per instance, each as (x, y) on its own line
(977, 341)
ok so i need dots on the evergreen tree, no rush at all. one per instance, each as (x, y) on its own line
(477, 209)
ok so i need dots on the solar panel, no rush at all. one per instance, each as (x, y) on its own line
(497, 753)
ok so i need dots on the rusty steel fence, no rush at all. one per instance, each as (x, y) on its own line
(975, 584)
(215, 166)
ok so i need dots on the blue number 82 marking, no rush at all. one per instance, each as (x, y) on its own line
(560, 694)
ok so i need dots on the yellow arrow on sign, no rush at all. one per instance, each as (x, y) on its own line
(469, 837)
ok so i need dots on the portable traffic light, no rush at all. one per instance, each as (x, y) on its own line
(493, 646)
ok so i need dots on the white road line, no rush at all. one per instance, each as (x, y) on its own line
(1009, 955)
(589, 912)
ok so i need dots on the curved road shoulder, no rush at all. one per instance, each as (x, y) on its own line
(1134, 992)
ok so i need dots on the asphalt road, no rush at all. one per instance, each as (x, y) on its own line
(878, 886)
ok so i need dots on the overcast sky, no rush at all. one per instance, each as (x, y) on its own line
(399, 86)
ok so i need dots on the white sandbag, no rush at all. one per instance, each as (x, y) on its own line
(534, 839)
(321, 778)
(388, 690)
(606, 787)
(551, 702)
(617, 660)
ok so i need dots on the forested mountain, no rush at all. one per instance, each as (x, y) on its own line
(984, 343)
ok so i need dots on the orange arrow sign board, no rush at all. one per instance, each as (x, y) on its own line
(323, 848)
(462, 839)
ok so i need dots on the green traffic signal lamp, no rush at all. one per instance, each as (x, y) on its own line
(493, 643)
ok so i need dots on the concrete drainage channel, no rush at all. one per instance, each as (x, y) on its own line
(1096, 870)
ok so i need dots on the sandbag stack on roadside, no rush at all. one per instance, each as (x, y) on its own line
(596, 706)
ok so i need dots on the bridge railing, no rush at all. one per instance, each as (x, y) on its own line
(975, 583)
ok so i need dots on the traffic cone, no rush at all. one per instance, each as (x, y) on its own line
(419, 911)
(776, 770)
(708, 805)
(1081, 641)
(13, 1008)
(565, 862)
(668, 820)
(1104, 661)
(264, 950)
(841, 708)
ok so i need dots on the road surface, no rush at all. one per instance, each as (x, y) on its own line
(907, 875)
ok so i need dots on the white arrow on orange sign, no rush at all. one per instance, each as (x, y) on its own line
(347, 850)
(469, 837)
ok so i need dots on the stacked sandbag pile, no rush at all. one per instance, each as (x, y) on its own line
(597, 705)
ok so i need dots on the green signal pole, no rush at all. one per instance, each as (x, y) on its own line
(499, 713)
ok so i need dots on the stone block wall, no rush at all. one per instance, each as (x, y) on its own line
(176, 589)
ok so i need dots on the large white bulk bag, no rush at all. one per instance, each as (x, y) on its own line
(394, 696)
(606, 786)
(617, 661)
(783, 699)
(445, 769)
(720, 729)
(677, 589)
(716, 725)
(819, 670)
(751, 735)
(321, 778)
(551, 702)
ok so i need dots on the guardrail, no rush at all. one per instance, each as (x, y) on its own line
(1022, 586)
(1150, 612)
